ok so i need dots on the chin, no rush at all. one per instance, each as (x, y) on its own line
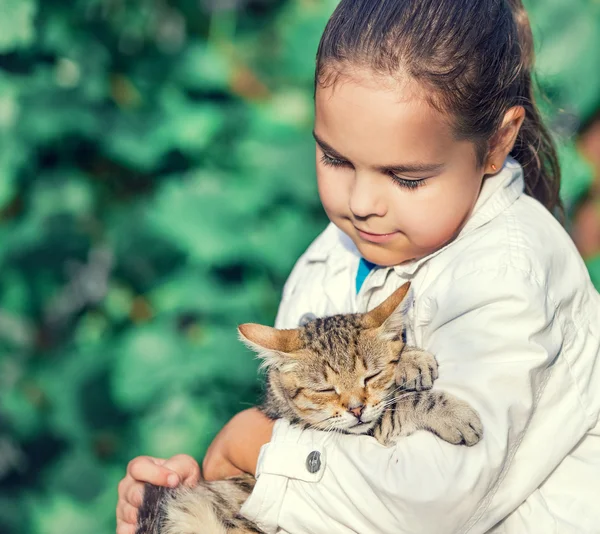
(365, 428)
(381, 256)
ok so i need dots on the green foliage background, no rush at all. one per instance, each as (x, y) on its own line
(157, 184)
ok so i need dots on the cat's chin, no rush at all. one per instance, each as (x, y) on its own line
(361, 427)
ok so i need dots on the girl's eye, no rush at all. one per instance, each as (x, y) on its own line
(407, 184)
(333, 162)
(370, 377)
(401, 182)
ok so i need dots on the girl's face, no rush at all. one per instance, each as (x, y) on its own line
(390, 173)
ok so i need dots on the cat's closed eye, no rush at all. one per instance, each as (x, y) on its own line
(328, 390)
(370, 377)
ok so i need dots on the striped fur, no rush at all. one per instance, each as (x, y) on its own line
(209, 508)
(345, 373)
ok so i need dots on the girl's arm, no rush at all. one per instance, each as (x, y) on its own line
(236, 447)
(497, 342)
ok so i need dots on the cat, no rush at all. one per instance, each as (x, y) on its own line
(349, 373)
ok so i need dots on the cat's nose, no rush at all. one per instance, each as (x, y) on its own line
(357, 411)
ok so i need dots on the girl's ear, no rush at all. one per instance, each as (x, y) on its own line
(505, 138)
(389, 315)
(273, 346)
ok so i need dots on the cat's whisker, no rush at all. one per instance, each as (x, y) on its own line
(387, 402)
(314, 424)
(392, 397)
(334, 435)
(396, 389)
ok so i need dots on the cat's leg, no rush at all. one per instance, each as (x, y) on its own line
(416, 369)
(447, 416)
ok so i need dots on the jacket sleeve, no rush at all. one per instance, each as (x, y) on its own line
(495, 339)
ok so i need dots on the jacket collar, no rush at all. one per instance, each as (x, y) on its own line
(497, 193)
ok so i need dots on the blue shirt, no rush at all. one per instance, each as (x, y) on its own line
(364, 268)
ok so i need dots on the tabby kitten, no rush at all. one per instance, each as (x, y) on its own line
(347, 373)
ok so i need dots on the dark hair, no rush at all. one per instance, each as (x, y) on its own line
(476, 57)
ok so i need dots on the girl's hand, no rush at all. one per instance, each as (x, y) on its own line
(235, 449)
(178, 469)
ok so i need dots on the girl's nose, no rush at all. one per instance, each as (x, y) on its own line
(367, 197)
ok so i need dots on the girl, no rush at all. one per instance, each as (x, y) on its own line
(434, 166)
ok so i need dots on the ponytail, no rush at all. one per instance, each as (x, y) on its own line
(534, 148)
(536, 152)
(524, 33)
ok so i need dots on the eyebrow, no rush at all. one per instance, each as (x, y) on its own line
(407, 168)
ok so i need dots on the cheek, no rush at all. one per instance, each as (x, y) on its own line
(380, 390)
(333, 189)
(374, 398)
(437, 215)
(316, 407)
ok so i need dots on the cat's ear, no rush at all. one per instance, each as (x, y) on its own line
(273, 346)
(389, 315)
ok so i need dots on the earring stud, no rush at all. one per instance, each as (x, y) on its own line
(494, 167)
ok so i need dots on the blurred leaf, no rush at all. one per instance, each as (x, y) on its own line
(203, 67)
(16, 23)
(180, 425)
(577, 174)
(567, 35)
(154, 362)
(57, 513)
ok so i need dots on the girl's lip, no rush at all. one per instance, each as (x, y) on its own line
(375, 238)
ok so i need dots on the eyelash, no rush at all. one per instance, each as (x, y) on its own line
(401, 182)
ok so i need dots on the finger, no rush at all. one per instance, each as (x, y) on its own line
(134, 495)
(127, 513)
(123, 486)
(125, 528)
(146, 469)
(186, 468)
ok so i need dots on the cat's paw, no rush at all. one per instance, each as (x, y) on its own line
(456, 422)
(416, 370)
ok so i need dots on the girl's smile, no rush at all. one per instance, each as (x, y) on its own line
(376, 238)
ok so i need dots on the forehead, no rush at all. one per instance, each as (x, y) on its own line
(375, 120)
(341, 341)
(331, 334)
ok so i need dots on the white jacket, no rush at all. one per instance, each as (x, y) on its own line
(514, 321)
